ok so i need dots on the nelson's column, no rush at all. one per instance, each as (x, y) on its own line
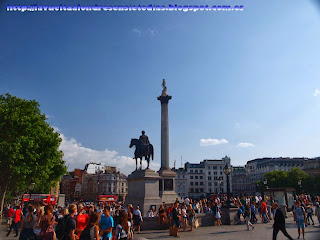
(167, 181)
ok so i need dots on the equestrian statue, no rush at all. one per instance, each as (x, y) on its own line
(143, 149)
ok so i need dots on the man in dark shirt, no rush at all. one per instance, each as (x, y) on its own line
(70, 224)
(279, 222)
(175, 218)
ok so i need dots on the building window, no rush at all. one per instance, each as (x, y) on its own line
(201, 189)
(196, 171)
(196, 183)
(191, 177)
(200, 171)
(215, 173)
(191, 190)
(201, 183)
(201, 177)
(209, 167)
(196, 177)
(197, 190)
(191, 183)
(209, 178)
(209, 184)
(191, 171)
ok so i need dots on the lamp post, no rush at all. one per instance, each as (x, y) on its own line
(227, 171)
(220, 183)
(31, 187)
(265, 182)
(98, 183)
(299, 183)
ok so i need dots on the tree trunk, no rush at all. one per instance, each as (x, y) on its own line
(4, 191)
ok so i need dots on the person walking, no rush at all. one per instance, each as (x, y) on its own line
(246, 216)
(27, 225)
(191, 215)
(279, 222)
(309, 215)
(176, 218)
(317, 210)
(16, 218)
(264, 211)
(137, 218)
(300, 216)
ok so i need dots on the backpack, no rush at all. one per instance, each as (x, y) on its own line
(61, 230)
(85, 234)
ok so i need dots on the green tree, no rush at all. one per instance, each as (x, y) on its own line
(28, 148)
(279, 178)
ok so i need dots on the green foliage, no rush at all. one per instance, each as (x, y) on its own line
(279, 178)
(28, 147)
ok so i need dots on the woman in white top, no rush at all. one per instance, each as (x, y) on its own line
(184, 217)
(92, 229)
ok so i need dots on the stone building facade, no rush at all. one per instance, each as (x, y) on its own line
(70, 185)
(312, 166)
(202, 179)
(241, 184)
(99, 179)
(258, 167)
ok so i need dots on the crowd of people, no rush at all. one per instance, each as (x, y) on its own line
(82, 221)
(86, 221)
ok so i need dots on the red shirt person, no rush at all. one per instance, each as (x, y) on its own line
(82, 220)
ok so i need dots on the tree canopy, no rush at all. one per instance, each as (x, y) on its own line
(279, 178)
(28, 147)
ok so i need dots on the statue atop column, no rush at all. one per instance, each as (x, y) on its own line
(164, 91)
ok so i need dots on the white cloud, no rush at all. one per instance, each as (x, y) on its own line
(316, 93)
(77, 156)
(245, 145)
(209, 142)
(136, 30)
(151, 32)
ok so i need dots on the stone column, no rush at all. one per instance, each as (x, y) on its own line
(164, 99)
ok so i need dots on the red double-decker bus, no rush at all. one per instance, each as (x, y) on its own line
(47, 199)
(104, 199)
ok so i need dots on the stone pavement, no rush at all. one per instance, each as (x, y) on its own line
(224, 232)
(236, 232)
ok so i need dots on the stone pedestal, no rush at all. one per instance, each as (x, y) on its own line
(167, 186)
(143, 190)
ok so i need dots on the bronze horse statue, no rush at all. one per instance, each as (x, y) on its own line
(141, 151)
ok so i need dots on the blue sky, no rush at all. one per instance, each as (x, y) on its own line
(248, 78)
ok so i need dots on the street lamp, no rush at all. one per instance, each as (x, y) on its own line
(220, 183)
(31, 187)
(299, 183)
(99, 171)
(227, 171)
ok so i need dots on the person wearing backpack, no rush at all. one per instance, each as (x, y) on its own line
(69, 224)
(91, 232)
(60, 226)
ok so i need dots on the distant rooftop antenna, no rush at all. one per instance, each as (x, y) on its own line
(181, 161)
(174, 166)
